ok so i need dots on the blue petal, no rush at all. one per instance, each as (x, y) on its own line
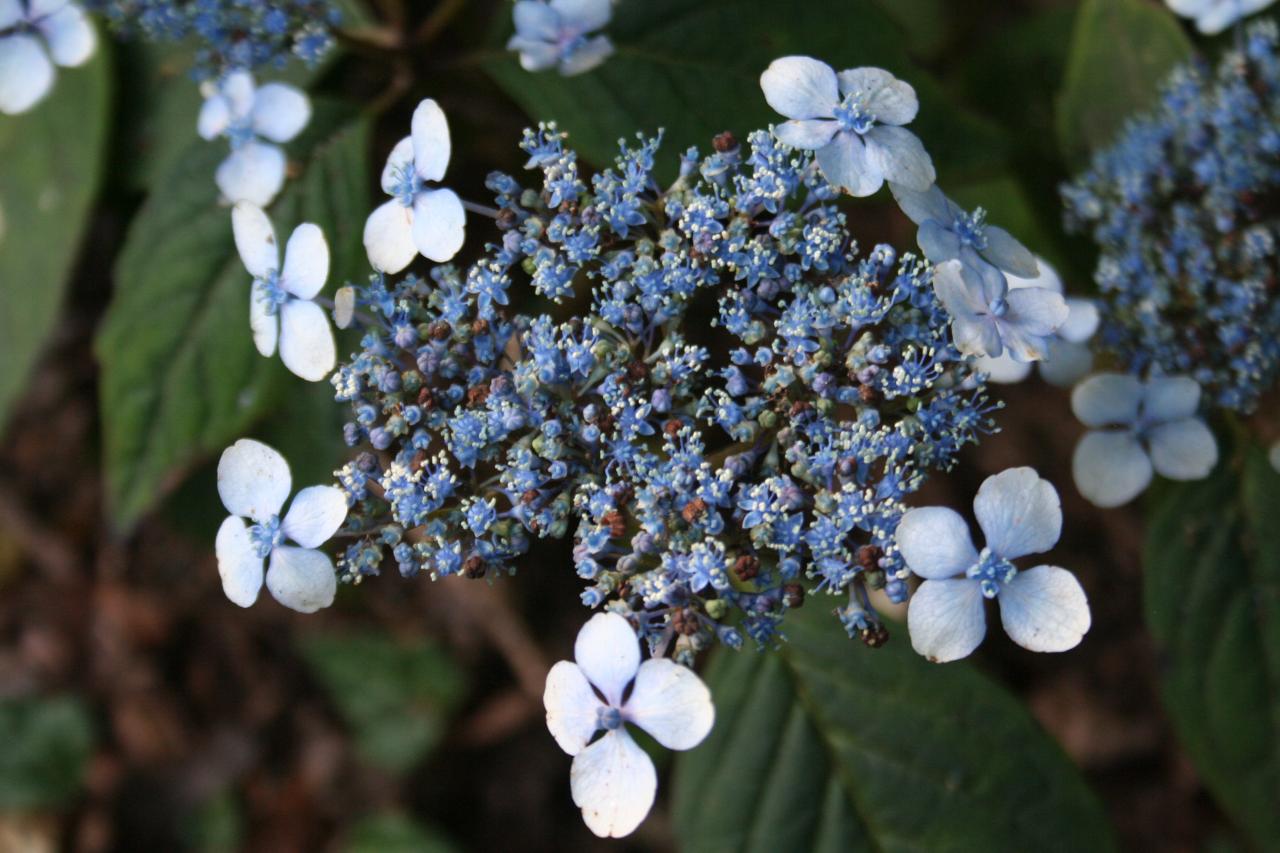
(1110, 468)
(846, 164)
(808, 134)
(1019, 513)
(800, 87)
(1008, 254)
(1170, 398)
(1107, 399)
(1183, 450)
(901, 157)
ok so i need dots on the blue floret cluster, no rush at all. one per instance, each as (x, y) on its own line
(726, 410)
(1185, 208)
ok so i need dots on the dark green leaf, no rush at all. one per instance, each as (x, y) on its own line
(828, 746)
(1121, 50)
(1213, 605)
(46, 743)
(53, 158)
(180, 376)
(394, 833)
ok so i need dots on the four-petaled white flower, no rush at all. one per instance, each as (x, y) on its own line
(280, 306)
(1068, 358)
(992, 320)
(36, 35)
(1043, 609)
(1214, 16)
(418, 218)
(612, 780)
(253, 482)
(853, 120)
(1138, 428)
(247, 115)
(557, 33)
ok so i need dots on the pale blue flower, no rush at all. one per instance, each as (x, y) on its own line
(853, 120)
(558, 33)
(1019, 321)
(1214, 16)
(1137, 428)
(35, 36)
(1043, 609)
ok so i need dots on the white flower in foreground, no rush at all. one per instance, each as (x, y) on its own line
(253, 482)
(1214, 16)
(1043, 609)
(280, 306)
(558, 33)
(1138, 428)
(613, 781)
(1068, 358)
(418, 218)
(991, 321)
(35, 36)
(253, 120)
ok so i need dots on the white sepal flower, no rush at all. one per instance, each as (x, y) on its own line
(612, 780)
(281, 310)
(419, 218)
(993, 320)
(39, 35)
(253, 482)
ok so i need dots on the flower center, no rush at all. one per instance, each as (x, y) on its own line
(240, 133)
(266, 536)
(407, 184)
(991, 572)
(272, 294)
(853, 117)
(972, 228)
(609, 718)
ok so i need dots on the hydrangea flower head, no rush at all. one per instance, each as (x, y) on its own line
(281, 310)
(1043, 609)
(36, 36)
(1138, 428)
(1214, 16)
(1019, 321)
(853, 120)
(612, 779)
(419, 218)
(558, 34)
(254, 120)
(254, 482)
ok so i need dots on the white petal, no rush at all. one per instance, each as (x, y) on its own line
(401, 158)
(800, 87)
(846, 164)
(1044, 609)
(671, 703)
(388, 237)
(306, 261)
(11, 12)
(307, 347)
(1170, 398)
(1019, 513)
(1046, 277)
(253, 173)
(586, 56)
(26, 74)
(1082, 320)
(72, 39)
(957, 290)
(280, 112)
(1110, 468)
(1183, 450)
(1106, 399)
(431, 144)
(263, 321)
(253, 480)
(935, 542)
(215, 117)
(239, 565)
(609, 654)
(920, 207)
(315, 515)
(583, 16)
(808, 134)
(536, 20)
(614, 783)
(301, 579)
(1036, 310)
(1066, 363)
(439, 224)
(238, 88)
(946, 619)
(1007, 253)
(901, 156)
(572, 707)
(255, 239)
(890, 100)
(1003, 370)
(534, 55)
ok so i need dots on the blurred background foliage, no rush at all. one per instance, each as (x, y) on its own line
(141, 711)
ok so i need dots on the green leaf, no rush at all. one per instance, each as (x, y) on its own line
(693, 67)
(394, 833)
(1120, 53)
(397, 698)
(47, 743)
(1212, 569)
(825, 745)
(53, 159)
(180, 375)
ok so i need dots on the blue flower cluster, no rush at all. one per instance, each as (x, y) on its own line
(732, 423)
(232, 34)
(1185, 208)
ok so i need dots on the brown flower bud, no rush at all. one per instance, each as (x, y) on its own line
(746, 567)
(794, 593)
(694, 510)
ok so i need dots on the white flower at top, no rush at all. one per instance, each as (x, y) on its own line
(280, 307)
(1043, 609)
(1214, 16)
(36, 35)
(558, 33)
(1138, 428)
(853, 120)
(987, 320)
(419, 218)
(253, 119)
(254, 482)
(612, 780)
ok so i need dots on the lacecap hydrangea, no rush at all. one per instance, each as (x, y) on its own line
(1184, 210)
(731, 421)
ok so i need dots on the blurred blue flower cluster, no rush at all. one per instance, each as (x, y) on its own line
(1185, 208)
(730, 421)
